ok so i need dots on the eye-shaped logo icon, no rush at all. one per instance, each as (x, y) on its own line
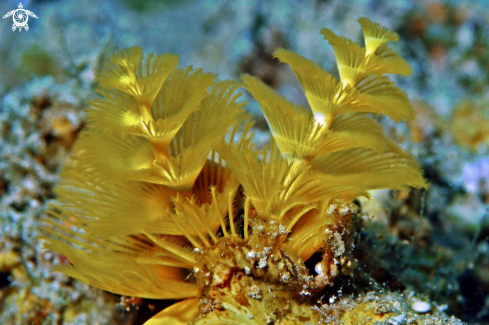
(20, 17)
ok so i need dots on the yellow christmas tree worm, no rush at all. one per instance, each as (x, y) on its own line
(166, 196)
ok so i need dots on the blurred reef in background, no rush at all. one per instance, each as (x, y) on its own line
(423, 248)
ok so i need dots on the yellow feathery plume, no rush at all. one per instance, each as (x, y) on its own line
(354, 63)
(354, 130)
(393, 168)
(276, 186)
(351, 59)
(190, 218)
(181, 313)
(167, 250)
(134, 206)
(112, 264)
(214, 173)
(117, 112)
(180, 97)
(113, 159)
(253, 170)
(392, 62)
(219, 110)
(293, 128)
(120, 71)
(193, 144)
(326, 96)
(322, 230)
(299, 136)
(380, 91)
(376, 35)
(307, 235)
(140, 77)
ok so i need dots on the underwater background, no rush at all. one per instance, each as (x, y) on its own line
(432, 244)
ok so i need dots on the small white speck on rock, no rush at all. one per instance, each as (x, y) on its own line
(421, 307)
(318, 268)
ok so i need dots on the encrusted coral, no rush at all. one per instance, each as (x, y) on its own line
(166, 196)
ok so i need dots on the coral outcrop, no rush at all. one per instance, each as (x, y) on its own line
(167, 197)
